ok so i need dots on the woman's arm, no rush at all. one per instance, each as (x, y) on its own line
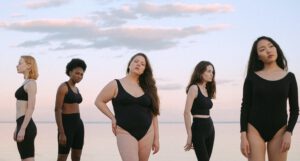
(60, 94)
(245, 147)
(294, 105)
(294, 112)
(246, 101)
(31, 89)
(155, 146)
(106, 95)
(191, 95)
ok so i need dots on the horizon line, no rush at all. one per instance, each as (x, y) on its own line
(106, 122)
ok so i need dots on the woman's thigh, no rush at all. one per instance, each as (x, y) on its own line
(127, 145)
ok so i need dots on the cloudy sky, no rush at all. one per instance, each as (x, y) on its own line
(176, 35)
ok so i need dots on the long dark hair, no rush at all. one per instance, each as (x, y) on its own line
(147, 82)
(197, 78)
(254, 64)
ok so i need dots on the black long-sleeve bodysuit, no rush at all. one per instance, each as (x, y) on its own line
(264, 104)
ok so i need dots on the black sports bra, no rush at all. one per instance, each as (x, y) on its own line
(72, 97)
(201, 104)
(21, 94)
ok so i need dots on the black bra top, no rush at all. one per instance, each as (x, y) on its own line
(72, 97)
(21, 94)
(201, 104)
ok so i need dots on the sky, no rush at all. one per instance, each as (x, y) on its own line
(175, 35)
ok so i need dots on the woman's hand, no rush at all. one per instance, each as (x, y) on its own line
(62, 139)
(21, 135)
(189, 145)
(286, 141)
(155, 145)
(245, 147)
(15, 135)
(114, 125)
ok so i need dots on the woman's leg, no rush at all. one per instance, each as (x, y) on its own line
(26, 147)
(127, 145)
(200, 135)
(63, 151)
(145, 145)
(28, 159)
(274, 147)
(62, 157)
(78, 142)
(76, 154)
(257, 145)
(210, 142)
(200, 150)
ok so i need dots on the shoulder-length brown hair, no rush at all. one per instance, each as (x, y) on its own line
(33, 72)
(147, 82)
(197, 78)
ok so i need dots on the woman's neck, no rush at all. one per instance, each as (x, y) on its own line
(132, 78)
(71, 82)
(203, 84)
(26, 75)
(271, 67)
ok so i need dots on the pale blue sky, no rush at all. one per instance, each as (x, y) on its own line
(176, 35)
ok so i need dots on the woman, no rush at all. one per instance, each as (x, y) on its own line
(267, 87)
(69, 124)
(200, 90)
(136, 106)
(25, 131)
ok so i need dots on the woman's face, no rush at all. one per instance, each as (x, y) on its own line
(266, 51)
(137, 65)
(22, 67)
(76, 74)
(208, 75)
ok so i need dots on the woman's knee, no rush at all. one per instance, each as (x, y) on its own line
(62, 157)
(76, 155)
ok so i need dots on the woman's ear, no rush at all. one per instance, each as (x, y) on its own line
(29, 67)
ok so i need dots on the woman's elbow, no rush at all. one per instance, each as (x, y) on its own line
(57, 109)
(186, 114)
(98, 104)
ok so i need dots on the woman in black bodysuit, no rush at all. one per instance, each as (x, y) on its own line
(136, 106)
(200, 90)
(69, 124)
(264, 119)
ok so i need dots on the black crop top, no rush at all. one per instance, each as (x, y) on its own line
(201, 104)
(265, 100)
(21, 94)
(72, 97)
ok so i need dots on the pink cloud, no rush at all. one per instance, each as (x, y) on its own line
(44, 3)
(64, 31)
(181, 8)
(48, 25)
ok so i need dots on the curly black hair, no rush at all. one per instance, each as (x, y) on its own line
(74, 63)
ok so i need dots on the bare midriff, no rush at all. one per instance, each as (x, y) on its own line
(69, 108)
(21, 108)
(201, 116)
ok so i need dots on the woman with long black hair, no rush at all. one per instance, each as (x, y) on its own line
(264, 120)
